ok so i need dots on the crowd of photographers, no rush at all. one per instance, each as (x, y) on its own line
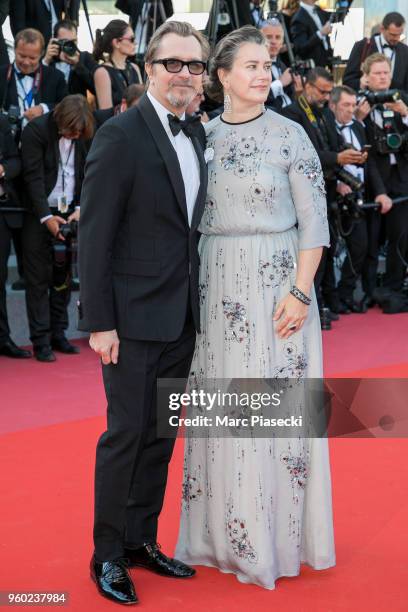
(54, 96)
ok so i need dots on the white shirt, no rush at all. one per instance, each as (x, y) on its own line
(351, 138)
(66, 166)
(387, 51)
(311, 10)
(24, 86)
(277, 87)
(187, 157)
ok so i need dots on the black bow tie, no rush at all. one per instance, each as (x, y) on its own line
(345, 125)
(386, 46)
(21, 76)
(185, 125)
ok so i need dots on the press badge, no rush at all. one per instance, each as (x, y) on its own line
(62, 204)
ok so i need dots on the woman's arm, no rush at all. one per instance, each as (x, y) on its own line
(103, 88)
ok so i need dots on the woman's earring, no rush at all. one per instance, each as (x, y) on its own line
(227, 104)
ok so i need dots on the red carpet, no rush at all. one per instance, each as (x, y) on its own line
(49, 428)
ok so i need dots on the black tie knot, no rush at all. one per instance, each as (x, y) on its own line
(186, 125)
(21, 75)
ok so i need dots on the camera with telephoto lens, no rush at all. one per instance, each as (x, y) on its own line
(66, 46)
(13, 116)
(63, 255)
(343, 175)
(379, 97)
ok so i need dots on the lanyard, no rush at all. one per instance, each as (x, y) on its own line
(28, 98)
(63, 166)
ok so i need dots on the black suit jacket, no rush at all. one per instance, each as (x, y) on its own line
(327, 155)
(352, 73)
(52, 88)
(386, 181)
(307, 43)
(138, 257)
(275, 102)
(10, 160)
(34, 14)
(40, 154)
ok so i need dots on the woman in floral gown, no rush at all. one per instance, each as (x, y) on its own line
(257, 507)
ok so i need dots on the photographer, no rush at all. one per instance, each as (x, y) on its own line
(360, 228)
(310, 29)
(387, 132)
(54, 149)
(10, 166)
(285, 85)
(63, 54)
(388, 42)
(27, 88)
(310, 112)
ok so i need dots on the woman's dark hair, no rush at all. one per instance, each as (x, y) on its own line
(103, 38)
(73, 114)
(224, 56)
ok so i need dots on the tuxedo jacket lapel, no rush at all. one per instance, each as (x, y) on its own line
(166, 150)
(200, 200)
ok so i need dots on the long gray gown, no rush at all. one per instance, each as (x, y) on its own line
(257, 507)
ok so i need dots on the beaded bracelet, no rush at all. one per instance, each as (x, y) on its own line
(300, 295)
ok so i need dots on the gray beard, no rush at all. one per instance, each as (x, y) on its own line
(180, 102)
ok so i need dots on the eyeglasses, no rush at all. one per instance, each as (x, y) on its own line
(130, 38)
(323, 92)
(175, 65)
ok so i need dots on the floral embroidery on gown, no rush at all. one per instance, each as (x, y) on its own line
(257, 507)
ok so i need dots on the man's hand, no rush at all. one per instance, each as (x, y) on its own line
(364, 81)
(385, 202)
(70, 59)
(52, 52)
(398, 107)
(326, 29)
(53, 224)
(286, 77)
(363, 110)
(106, 344)
(298, 83)
(74, 216)
(343, 189)
(33, 112)
(350, 156)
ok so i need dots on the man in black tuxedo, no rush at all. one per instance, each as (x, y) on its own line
(310, 29)
(54, 149)
(392, 166)
(310, 111)
(10, 167)
(41, 15)
(142, 201)
(362, 231)
(388, 42)
(76, 66)
(27, 88)
(285, 85)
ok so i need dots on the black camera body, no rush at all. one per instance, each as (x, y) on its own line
(62, 255)
(69, 230)
(13, 117)
(66, 46)
(350, 204)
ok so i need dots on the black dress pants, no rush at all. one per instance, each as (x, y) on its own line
(396, 228)
(5, 242)
(131, 461)
(47, 308)
(362, 258)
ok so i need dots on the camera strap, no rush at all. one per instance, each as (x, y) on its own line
(305, 106)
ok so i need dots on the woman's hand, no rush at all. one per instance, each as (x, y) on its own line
(291, 314)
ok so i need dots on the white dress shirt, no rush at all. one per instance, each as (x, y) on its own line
(24, 86)
(314, 15)
(349, 137)
(65, 185)
(187, 157)
(277, 87)
(384, 48)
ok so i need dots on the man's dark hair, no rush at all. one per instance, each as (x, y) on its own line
(318, 73)
(67, 24)
(338, 91)
(393, 19)
(73, 114)
(132, 93)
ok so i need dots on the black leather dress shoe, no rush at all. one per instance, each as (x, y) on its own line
(113, 581)
(63, 346)
(9, 349)
(150, 557)
(345, 307)
(325, 320)
(367, 302)
(333, 316)
(44, 353)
